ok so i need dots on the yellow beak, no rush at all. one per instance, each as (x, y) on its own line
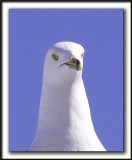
(74, 64)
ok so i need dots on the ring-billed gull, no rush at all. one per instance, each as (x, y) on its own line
(64, 122)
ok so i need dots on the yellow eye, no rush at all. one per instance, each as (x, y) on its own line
(82, 55)
(55, 57)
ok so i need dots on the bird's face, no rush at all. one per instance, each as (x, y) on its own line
(63, 63)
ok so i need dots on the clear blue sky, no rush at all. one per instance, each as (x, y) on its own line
(100, 32)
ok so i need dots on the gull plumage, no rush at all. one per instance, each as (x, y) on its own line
(64, 122)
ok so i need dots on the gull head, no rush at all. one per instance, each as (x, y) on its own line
(63, 63)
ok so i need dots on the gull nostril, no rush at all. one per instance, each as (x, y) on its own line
(74, 60)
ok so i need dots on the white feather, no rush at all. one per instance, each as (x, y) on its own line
(64, 122)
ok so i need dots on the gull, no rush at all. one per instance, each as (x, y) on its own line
(64, 121)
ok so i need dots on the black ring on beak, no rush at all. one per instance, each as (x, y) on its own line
(77, 64)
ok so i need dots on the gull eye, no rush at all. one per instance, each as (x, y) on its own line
(55, 57)
(82, 55)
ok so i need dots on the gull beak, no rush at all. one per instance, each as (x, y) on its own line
(74, 64)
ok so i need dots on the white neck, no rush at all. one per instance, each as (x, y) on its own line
(59, 112)
(67, 121)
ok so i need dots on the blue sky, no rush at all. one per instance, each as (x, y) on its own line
(31, 33)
